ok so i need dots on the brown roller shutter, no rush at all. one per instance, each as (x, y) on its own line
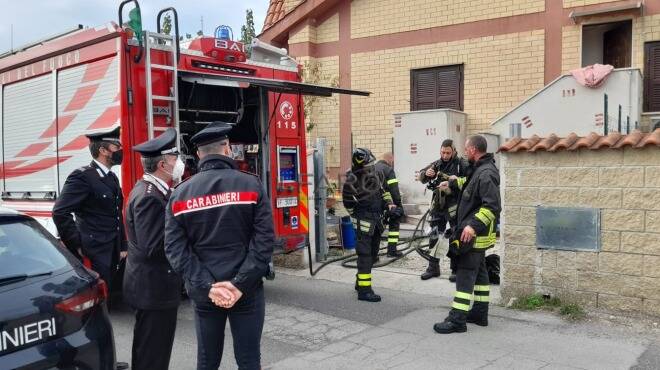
(437, 88)
(652, 77)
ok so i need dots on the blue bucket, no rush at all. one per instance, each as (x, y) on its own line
(347, 233)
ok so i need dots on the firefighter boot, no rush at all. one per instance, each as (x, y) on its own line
(454, 323)
(478, 314)
(392, 252)
(433, 270)
(367, 294)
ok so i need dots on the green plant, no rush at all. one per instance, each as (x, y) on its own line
(572, 311)
(248, 32)
(312, 73)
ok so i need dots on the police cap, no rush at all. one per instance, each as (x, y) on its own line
(111, 136)
(163, 144)
(215, 131)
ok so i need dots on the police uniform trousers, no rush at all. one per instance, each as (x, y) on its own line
(106, 266)
(153, 337)
(246, 319)
(368, 243)
(471, 285)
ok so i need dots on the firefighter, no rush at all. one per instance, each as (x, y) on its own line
(219, 237)
(393, 218)
(364, 194)
(92, 193)
(151, 287)
(478, 210)
(443, 205)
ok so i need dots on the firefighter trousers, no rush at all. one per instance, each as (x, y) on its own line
(471, 285)
(368, 244)
(436, 242)
(393, 225)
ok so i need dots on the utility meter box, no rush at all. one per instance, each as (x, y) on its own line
(418, 137)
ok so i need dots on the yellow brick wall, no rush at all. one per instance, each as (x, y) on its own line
(378, 17)
(325, 111)
(290, 4)
(571, 48)
(572, 3)
(499, 72)
(328, 31)
(305, 34)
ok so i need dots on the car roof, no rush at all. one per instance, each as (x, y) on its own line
(4, 211)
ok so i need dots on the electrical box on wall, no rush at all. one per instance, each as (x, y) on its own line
(418, 137)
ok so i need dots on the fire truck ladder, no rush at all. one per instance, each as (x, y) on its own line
(167, 43)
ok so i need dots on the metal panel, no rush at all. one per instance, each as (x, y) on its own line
(28, 113)
(573, 229)
(99, 113)
(271, 85)
(417, 139)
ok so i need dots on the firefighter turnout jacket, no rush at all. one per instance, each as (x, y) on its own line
(479, 204)
(391, 182)
(219, 227)
(365, 192)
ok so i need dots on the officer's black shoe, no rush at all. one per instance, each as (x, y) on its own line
(368, 296)
(448, 327)
(121, 366)
(433, 270)
(452, 278)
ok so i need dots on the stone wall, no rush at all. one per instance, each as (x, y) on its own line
(625, 185)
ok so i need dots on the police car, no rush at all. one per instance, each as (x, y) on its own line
(52, 310)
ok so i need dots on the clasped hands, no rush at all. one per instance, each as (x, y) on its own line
(224, 294)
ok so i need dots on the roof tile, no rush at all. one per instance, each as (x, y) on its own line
(565, 143)
(545, 144)
(275, 13)
(572, 142)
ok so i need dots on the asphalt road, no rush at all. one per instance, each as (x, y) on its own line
(320, 324)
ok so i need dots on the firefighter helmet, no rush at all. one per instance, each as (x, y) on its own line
(362, 157)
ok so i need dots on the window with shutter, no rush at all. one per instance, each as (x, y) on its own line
(652, 77)
(437, 88)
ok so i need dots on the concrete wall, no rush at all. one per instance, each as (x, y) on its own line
(625, 186)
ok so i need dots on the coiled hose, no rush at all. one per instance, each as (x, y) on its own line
(415, 244)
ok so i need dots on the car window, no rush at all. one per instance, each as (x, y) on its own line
(27, 248)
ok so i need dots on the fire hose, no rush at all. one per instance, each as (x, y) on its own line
(414, 244)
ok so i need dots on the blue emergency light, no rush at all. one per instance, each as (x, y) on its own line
(223, 33)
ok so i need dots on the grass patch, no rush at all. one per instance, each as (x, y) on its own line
(532, 302)
(572, 312)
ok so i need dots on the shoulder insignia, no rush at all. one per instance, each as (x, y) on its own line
(150, 188)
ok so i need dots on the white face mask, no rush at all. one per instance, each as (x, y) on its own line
(177, 171)
(179, 168)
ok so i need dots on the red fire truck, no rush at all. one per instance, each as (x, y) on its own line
(55, 91)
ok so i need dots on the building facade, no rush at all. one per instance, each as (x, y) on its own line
(482, 57)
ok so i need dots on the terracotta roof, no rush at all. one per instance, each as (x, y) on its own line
(275, 13)
(572, 142)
